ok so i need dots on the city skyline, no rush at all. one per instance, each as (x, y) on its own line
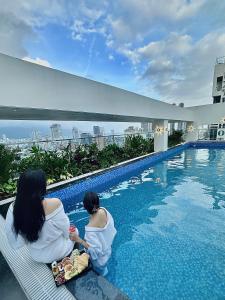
(44, 128)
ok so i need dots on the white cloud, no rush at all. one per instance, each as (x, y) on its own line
(18, 19)
(132, 20)
(38, 61)
(111, 57)
(175, 45)
(186, 78)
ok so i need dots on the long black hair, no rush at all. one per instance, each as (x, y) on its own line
(28, 211)
(91, 202)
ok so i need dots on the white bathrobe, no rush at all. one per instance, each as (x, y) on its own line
(53, 242)
(100, 241)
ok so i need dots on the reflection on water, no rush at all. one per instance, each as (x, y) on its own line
(170, 220)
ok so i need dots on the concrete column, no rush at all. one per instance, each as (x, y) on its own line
(191, 133)
(160, 135)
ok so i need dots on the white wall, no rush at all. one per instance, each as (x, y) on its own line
(27, 85)
(208, 114)
(43, 93)
(219, 70)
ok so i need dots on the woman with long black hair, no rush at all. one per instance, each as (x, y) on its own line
(38, 222)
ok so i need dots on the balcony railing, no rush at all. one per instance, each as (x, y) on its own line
(59, 144)
(220, 60)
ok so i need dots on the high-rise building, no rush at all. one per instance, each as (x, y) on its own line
(56, 131)
(218, 92)
(97, 130)
(86, 138)
(100, 141)
(36, 135)
(75, 133)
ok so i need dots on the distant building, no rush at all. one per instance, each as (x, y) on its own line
(100, 141)
(85, 138)
(75, 134)
(97, 130)
(36, 135)
(218, 92)
(56, 132)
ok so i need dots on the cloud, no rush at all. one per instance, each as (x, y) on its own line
(133, 20)
(185, 75)
(175, 45)
(19, 20)
(90, 54)
(38, 61)
(111, 57)
(87, 19)
(12, 34)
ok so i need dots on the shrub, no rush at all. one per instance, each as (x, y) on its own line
(137, 146)
(66, 163)
(85, 159)
(110, 155)
(175, 138)
(54, 163)
(8, 163)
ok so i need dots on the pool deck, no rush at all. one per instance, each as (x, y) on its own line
(9, 286)
(94, 287)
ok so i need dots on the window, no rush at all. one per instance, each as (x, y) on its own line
(223, 99)
(216, 99)
(219, 79)
(219, 82)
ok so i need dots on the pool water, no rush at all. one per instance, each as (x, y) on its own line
(170, 220)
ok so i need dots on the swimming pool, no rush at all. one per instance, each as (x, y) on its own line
(170, 221)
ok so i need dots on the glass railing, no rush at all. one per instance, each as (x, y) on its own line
(59, 144)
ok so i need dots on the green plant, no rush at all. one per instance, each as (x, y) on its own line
(8, 188)
(7, 163)
(110, 155)
(175, 138)
(68, 162)
(85, 159)
(137, 146)
(55, 164)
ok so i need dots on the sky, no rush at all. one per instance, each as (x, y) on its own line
(162, 49)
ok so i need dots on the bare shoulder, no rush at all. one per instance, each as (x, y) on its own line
(102, 214)
(50, 205)
(100, 219)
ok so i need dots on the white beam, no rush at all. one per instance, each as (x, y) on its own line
(31, 91)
